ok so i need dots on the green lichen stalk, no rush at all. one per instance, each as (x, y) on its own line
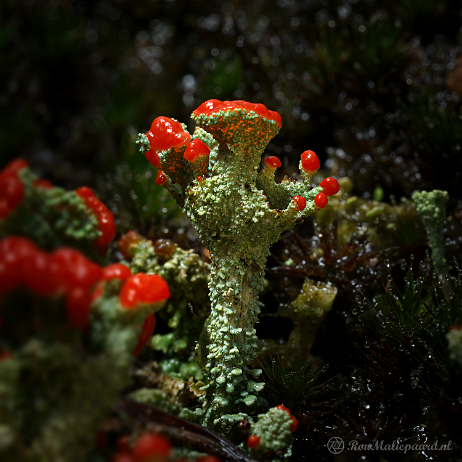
(431, 206)
(239, 213)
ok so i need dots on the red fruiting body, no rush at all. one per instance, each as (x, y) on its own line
(97, 292)
(85, 193)
(161, 178)
(330, 186)
(310, 161)
(146, 333)
(164, 248)
(273, 161)
(195, 149)
(283, 408)
(301, 202)
(151, 444)
(165, 133)
(14, 253)
(321, 200)
(14, 166)
(116, 271)
(253, 441)
(76, 270)
(152, 157)
(41, 274)
(104, 216)
(11, 187)
(107, 228)
(294, 424)
(127, 242)
(143, 288)
(11, 193)
(78, 303)
(212, 106)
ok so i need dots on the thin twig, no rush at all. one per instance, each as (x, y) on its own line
(183, 432)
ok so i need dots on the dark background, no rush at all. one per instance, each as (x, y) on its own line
(363, 83)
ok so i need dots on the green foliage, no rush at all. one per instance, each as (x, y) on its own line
(416, 319)
(222, 76)
(408, 307)
(289, 386)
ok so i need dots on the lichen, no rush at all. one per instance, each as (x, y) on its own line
(239, 213)
(431, 206)
(307, 312)
(274, 431)
(187, 276)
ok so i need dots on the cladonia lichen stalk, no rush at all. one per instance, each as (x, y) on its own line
(239, 213)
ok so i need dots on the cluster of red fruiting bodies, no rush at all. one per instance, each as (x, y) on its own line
(67, 272)
(166, 133)
(253, 441)
(150, 447)
(310, 164)
(104, 216)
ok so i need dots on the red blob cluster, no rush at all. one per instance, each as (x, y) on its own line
(273, 161)
(161, 178)
(310, 161)
(212, 106)
(11, 187)
(104, 216)
(165, 133)
(64, 272)
(67, 272)
(253, 441)
(143, 288)
(116, 271)
(321, 200)
(330, 186)
(294, 424)
(195, 149)
(146, 333)
(150, 447)
(300, 201)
